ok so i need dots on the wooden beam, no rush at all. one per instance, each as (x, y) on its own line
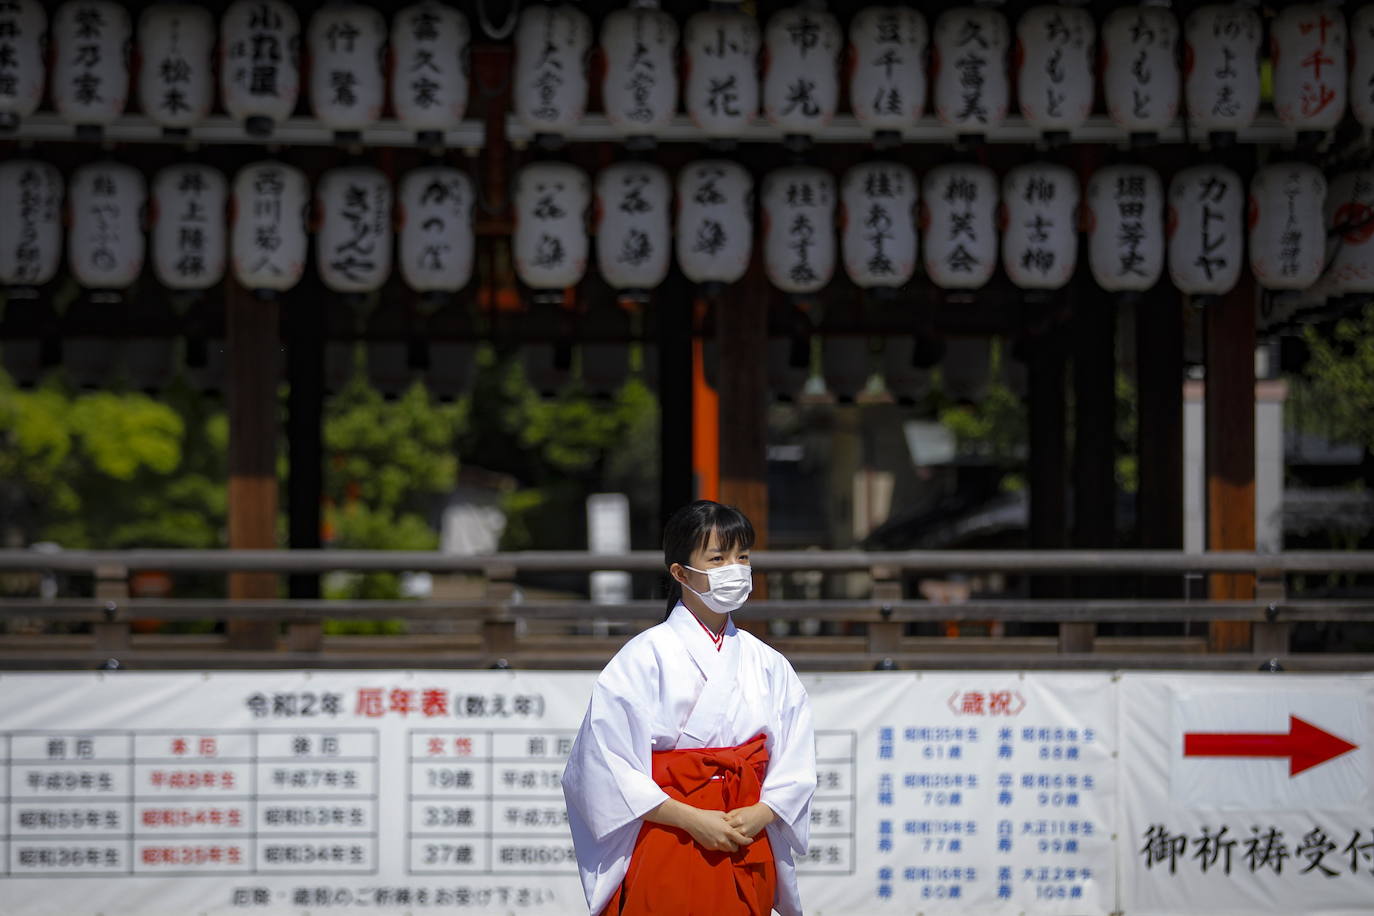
(1159, 432)
(1094, 447)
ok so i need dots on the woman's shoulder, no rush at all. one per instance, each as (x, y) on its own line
(640, 651)
(769, 656)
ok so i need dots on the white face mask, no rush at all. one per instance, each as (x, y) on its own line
(730, 586)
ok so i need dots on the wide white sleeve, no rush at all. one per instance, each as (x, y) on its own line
(791, 779)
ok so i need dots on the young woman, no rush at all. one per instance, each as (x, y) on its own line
(689, 786)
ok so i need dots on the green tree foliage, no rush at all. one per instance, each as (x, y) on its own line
(1335, 396)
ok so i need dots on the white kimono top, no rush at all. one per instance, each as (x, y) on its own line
(669, 688)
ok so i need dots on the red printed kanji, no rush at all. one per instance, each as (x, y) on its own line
(401, 701)
(178, 746)
(208, 747)
(434, 703)
(370, 702)
(435, 747)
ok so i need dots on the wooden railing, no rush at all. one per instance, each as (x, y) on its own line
(501, 627)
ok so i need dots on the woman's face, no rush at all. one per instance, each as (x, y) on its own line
(709, 556)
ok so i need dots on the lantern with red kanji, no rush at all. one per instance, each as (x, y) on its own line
(25, 26)
(31, 199)
(1140, 74)
(188, 226)
(549, 87)
(1362, 65)
(1309, 56)
(259, 63)
(972, 87)
(801, 78)
(90, 72)
(176, 82)
(959, 225)
(429, 67)
(639, 90)
(1040, 235)
(267, 234)
(1055, 48)
(633, 238)
(1206, 228)
(714, 233)
(436, 244)
(878, 224)
(550, 239)
(1125, 222)
(1350, 233)
(1221, 79)
(105, 243)
(887, 68)
(347, 43)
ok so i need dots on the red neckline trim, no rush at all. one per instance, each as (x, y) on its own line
(718, 639)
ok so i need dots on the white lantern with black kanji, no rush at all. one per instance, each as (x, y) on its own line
(23, 32)
(188, 226)
(429, 66)
(801, 77)
(1307, 45)
(878, 220)
(267, 235)
(972, 86)
(1125, 223)
(353, 241)
(1362, 65)
(90, 71)
(31, 233)
(176, 80)
(959, 225)
(887, 68)
(633, 240)
(1287, 225)
(1040, 237)
(259, 63)
(1055, 53)
(436, 246)
(1221, 79)
(347, 44)
(639, 89)
(714, 234)
(1140, 73)
(550, 238)
(799, 228)
(105, 244)
(550, 76)
(1206, 227)
(1350, 232)
(721, 78)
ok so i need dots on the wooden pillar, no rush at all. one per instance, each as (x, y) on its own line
(1159, 432)
(1047, 464)
(742, 382)
(673, 311)
(305, 323)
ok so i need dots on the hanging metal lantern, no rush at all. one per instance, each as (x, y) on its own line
(1125, 223)
(550, 238)
(887, 68)
(721, 78)
(1362, 65)
(878, 216)
(176, 83)
(799, 228)
(259, 53)
(1040, 238)
(801, 78)
(1055, 52)
(1287, 228)
(31, 245)
(188, 233)
(267, 240)
(105, 244)
(1206, 230)
(1309, 59)
(347, 44)
(639, 90)
(1350, 232)
(90, 77)
(958, 225)
(1221, 68)
(632, 233)
(972, 89)
(550, 81)
(715, 221)
(436, 245)
(24, 25)
(353, 244)
(1140, 78)
(429, 67)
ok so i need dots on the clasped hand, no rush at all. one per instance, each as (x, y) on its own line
(727, 831)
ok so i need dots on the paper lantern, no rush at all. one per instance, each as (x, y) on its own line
(801, 78)
(105, 244)
(24, 25)
(259, 52)
(958, 225)
(353, 243)
(1350, 235)
(887, 67)
(1125, 220)
(550, 239)
(633, 244)
(1362, 65)
(1055, 52)
(1040, 238)
(1206, 230)
(721, 79)
(1287, 226)
(878, 207)
(429, 66)
(715, 222)
(550, 77)
(31, 233)
(90, 74)
(799, 228)
(267, 240)
(347, 43)
(1309, 58)
(436, 244)
(188, 226)
(1140, 77)
(176, 82)
(1221, 68)
(972, 89)
(639, 90)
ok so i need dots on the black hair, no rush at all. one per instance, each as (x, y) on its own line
(690, 528)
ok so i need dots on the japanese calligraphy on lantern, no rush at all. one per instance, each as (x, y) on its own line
(550, 239)
(347, 87)
(1206, 220)
(353, 245)
(1362, 65)
(1040, 239)
(188, 236)
(972, 90)
(722, 83)
(801, 80)
(1221, 67)
(436, 244)
(105, 244)
(550, 77)
(176, 81)
(31, 233)
(429, 66)
(1055, 48)
(1287, 226)
(958, 223)
(639, 91)
(887, 75)
(267, 241)
(715, 225)
(259, 62)
(1140, 79)
(23, 25)
(1350, 232)
(90, 82)
(1125, 216)
(799, 228)
(1309, 66)
(632, 240)
(878, 240)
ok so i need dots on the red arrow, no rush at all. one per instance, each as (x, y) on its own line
(1305, 745)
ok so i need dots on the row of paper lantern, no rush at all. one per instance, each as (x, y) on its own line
(954, 222)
